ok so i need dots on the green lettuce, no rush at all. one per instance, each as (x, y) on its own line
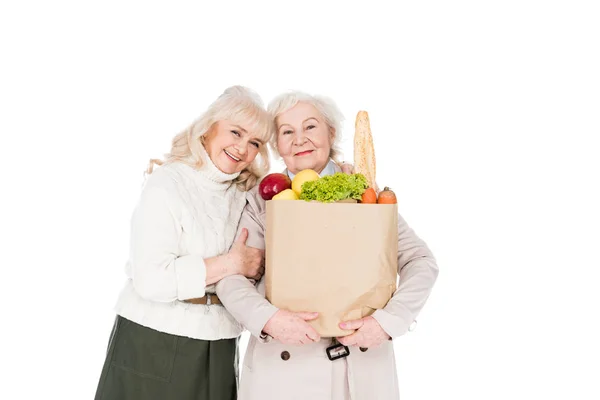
(338, 186)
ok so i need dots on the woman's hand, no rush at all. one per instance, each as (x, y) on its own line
(348, 169)
(291, 327)
(244, 260)
(369, 333)
(241, 260)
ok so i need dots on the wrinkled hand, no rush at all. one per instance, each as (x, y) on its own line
(245, 260)
(291, 327)
(348, 169)
(369, 333)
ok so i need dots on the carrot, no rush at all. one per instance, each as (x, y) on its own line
(387, 196)
(369, 196)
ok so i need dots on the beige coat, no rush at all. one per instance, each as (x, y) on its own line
(275, 371)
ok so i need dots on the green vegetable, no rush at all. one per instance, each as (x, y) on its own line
(338, 186)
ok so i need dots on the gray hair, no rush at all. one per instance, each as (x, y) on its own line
(324, 105)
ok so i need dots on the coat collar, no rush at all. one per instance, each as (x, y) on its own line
(330, 169)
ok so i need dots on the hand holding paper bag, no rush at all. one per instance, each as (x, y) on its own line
(291, 327)
(368, 333)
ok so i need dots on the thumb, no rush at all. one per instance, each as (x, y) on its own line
(243, 237)
(307, 316)
(354, 324)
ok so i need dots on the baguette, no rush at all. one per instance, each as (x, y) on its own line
(364, 152)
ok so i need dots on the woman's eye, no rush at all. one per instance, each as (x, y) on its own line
(236, 133)
(288, 132)
(256, 144)
(310, 127)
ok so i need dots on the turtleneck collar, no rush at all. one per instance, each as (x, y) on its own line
(211, 172)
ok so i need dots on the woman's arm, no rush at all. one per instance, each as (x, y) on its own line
(241, 298)
(157, 271)
(241, 259)
(247, 305)
(418, 272)
(247, 302)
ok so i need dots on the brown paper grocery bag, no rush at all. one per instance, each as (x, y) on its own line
(338, 259)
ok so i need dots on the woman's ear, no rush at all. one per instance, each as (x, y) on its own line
(332, 135)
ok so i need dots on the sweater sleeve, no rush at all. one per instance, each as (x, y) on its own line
(157, 271)
(245, 301)
(418, 272)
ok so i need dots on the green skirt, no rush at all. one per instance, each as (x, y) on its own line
(144, 364)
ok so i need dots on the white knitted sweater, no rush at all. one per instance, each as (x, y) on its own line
(184, 216)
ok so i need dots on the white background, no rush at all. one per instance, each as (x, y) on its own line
(485, 117)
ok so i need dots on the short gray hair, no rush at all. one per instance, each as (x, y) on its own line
(324, 105)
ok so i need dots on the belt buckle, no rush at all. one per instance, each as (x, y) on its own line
(337, 351)
(208, 299)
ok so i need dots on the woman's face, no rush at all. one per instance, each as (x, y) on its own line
(231, 147)
(303, 138)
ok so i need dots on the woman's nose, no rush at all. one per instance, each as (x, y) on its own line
(241, 150)
(299, 137)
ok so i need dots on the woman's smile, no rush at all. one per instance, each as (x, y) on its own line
(231, 157)
(303, 153)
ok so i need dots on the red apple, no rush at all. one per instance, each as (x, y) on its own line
(273, 184)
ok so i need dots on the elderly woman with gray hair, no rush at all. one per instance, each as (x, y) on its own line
(286, 358)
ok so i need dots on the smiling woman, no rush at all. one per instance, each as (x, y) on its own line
(172, 337)
(285, 352)
(307, 133)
